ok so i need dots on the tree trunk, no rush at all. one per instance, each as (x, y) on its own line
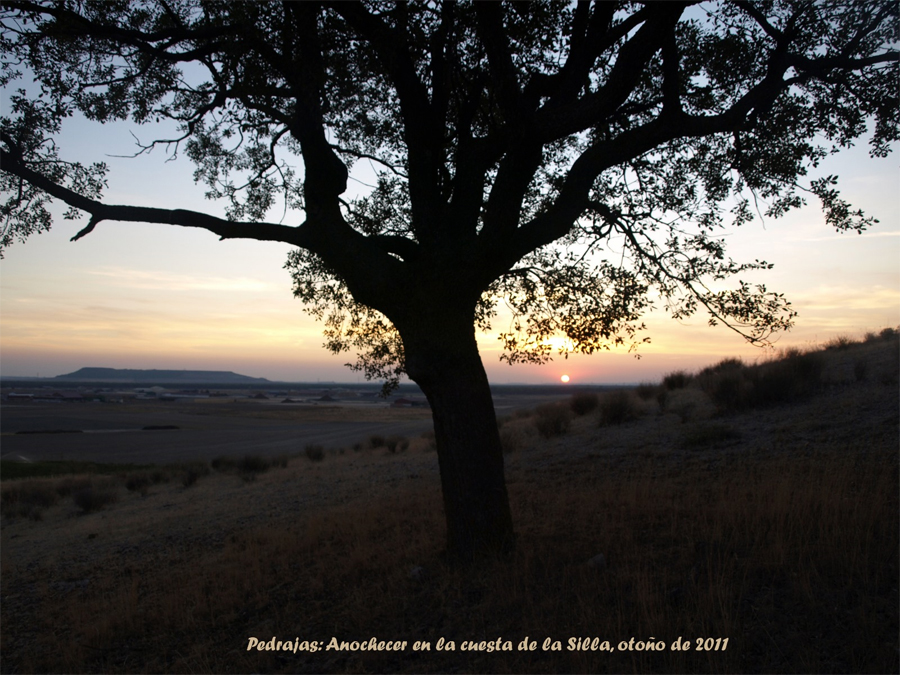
(442, 358)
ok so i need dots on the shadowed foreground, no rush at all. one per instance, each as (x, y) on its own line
(716, 515)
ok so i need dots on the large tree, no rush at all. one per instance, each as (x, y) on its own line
(517, 143)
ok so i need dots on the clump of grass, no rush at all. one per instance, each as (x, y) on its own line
(647, 390)
(71, 484)
(224, 464)
(250, 466)
(314, 452)
(194, 471)
(677, 380)
(840, 342)
(618, 407)
(28, 499)
(733, 386)
(395, 443)
(795, 375)
(138, 482)
(584, 402)
(96, 496)
(431, 442)
(511, 439)
(10, 470)
(376, 441)
(706, 435)
(552, 419)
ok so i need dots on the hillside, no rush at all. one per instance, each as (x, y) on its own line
(117, 375)
(750, 511)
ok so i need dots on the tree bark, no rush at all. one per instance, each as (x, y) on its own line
(442, 358)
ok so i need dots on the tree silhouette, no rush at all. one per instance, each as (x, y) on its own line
(517, 143)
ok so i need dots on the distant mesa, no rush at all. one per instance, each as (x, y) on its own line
(168, 376)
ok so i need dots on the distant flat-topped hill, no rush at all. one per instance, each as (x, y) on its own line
(167, 376)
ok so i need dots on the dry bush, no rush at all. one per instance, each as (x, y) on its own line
(27, 499)
(314, 452)
(688, 404)
(376, 441)
(618, 407)
(96, 496)
(840, 342)
(647, 391)
(224, 464)
(395, 443)
(250, 466)
(138, 482)
(552, 419)
(709, 435)
(428, 436)
(584, 402)
(513, 438)
(677, 380)
(192, 472)
(66, 486)
(725, 384)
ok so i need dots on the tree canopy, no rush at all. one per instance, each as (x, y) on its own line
(573, 160)
(499, 130)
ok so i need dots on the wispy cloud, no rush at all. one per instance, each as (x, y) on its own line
(839, 238)
(161, 280)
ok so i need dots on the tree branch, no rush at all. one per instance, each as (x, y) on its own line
(99, 211)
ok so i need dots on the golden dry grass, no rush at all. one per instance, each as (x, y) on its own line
(781, 536)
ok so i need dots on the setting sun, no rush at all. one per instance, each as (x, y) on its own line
(564, 378)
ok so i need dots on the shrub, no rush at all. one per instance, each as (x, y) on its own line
(67, 486)
(889, 334)
(618, 407)
(138, 482)
(677, 380)
(224, 464)
(795, 375)
(253, 464)
(510, 439)
(161, 476)
(432, 443)
(315, 453)
(584, 402)
(647, 390)
(725, 384)
(707, 435)
(95, 497)
(28, 499)
(552, 419)
(392, 443)
(840, 342)
(376, 441)
(193, 472)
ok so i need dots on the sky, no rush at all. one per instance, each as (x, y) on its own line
(154, 296)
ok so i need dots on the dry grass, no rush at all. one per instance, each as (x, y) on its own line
(776, 529)
(793, 561)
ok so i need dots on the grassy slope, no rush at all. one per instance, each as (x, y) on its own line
(775, 527)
